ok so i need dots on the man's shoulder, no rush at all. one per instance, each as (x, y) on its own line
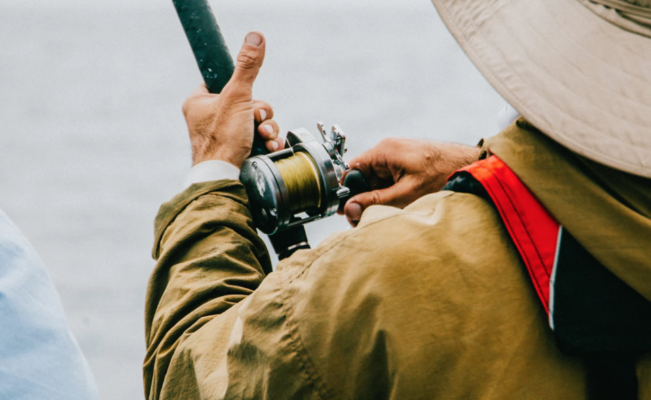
(439, 222)
(409, 288)
(442, 230)
(433, 209)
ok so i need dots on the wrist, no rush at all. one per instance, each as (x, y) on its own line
(473, 154)
(446, 158)
(459, 155)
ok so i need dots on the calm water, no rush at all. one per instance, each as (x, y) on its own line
(92, 140)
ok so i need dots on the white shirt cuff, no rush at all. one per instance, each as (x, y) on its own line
(213, 170)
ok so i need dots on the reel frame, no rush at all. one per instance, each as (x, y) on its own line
(268, 195)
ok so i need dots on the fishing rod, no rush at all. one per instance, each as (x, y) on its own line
(210, 50)
(288, 188)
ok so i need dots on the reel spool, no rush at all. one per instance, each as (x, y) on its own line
(299, 184)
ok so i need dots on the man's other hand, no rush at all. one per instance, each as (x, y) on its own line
(402, 170)
(222, 126)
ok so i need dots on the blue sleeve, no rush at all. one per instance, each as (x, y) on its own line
(39, 357)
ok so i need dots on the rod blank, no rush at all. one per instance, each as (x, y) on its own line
(208, 45)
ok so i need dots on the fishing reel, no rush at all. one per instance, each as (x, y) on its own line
(301, 183)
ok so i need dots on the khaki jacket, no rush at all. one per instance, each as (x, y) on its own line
(429, 302)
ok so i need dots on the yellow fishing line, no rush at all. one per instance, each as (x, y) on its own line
(301, 178)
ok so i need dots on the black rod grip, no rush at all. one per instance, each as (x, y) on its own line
(207, 42)
(210, 50)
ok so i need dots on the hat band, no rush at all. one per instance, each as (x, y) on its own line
(625, 15)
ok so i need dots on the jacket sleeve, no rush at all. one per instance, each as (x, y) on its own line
(209, 258)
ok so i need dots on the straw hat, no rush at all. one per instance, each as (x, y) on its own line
(578, 70)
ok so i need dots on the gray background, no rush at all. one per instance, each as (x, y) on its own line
(92, 139)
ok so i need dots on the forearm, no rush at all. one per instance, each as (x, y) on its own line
(209, 258)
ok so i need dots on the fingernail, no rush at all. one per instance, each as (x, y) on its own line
(263, 115)
(274, 145)
(355, 211)
(253, 39)
(269, 129)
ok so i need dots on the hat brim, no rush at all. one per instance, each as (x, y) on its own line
(581, 80)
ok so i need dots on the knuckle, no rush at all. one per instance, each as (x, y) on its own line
(389, 142)
(187, 105)
(269, 110)
(384, 142)
(246, 59)
(262, 106)
(376, 197)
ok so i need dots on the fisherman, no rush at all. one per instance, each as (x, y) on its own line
(528, 276)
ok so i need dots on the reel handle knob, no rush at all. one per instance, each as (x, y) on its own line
(357, 183)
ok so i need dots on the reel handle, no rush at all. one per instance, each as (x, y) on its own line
(210, 51)
(357, 183)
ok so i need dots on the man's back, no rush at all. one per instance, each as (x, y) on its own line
(427, 302)
(433, 301)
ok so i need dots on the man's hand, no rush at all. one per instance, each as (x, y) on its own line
(402, 170)
(222, 126)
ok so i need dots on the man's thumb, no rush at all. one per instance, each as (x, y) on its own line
(249, 61)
